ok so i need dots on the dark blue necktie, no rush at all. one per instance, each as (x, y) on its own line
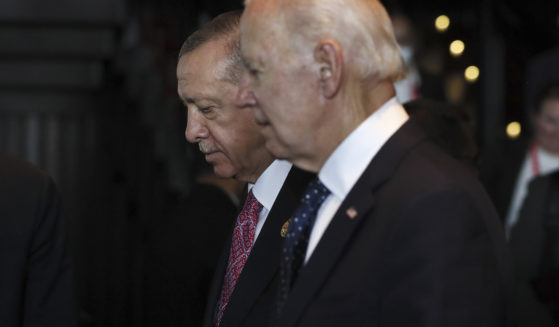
(297, 238)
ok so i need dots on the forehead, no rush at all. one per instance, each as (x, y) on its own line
(210, 58)
(251, 31)
(204, 69)
(267, 35)
(260, 24)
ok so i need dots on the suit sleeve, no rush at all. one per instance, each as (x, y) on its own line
(442, 268)
(49, 295)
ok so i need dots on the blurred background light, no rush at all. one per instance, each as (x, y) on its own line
(457, 48)
(442, 23)
(471, 74)
(514, 129)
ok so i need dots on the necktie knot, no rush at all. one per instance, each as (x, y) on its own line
(251, 203)
(315, 194)
(249, 213)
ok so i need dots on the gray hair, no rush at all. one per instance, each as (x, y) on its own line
(225, 26)
(362, 27)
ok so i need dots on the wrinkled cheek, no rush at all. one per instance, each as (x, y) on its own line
(223, 167)
(267, 133)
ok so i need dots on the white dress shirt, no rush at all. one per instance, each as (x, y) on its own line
(350, 159)
(267, 188)
(547, 163)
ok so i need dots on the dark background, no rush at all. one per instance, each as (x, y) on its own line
(88, 93)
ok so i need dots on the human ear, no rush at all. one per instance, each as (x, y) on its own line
(329, 57)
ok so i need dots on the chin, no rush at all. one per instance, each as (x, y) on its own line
(277, 150)
(224, 172)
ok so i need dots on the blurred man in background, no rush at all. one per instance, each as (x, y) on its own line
(36, 286)
(524, 183)
(511, 170)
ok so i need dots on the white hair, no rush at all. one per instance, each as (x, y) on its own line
(362, 28)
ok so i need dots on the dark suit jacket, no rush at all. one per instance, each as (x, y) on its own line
(534, 244)
(425, 249)
(35, 276)
(252, 301)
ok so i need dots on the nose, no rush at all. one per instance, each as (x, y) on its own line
(195, 128)
(245, 97)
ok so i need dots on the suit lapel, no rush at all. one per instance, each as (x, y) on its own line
(263, 262)
(354, 209)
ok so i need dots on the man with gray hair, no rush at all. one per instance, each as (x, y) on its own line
(393, 232)
(208, 72)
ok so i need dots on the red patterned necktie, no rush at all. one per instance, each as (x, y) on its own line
(241, 244)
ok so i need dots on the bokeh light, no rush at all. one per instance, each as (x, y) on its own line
(442, 23)
(457, 48)
(471, 74)
(514, 129)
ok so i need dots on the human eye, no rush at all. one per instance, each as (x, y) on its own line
(209, 112)
(206, 110)
(253, 72)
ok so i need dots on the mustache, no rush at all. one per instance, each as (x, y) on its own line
(206, 148)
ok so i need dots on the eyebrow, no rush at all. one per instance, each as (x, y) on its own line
(213, 100)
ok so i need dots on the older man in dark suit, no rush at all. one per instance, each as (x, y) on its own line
(208, 72)
(35, 269)
(393, 232)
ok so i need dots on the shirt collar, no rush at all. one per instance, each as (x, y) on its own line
(350, 159)
(269, 184)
